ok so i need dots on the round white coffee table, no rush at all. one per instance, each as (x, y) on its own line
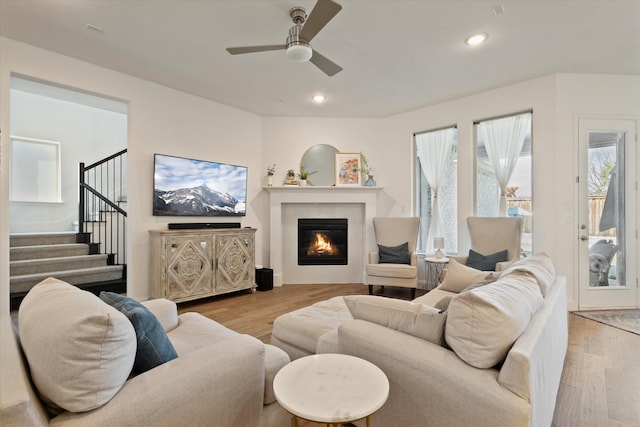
(331, 388)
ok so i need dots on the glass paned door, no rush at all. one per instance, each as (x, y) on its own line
(607, 235)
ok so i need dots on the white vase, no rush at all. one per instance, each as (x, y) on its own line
(269, 181)
(303, 182)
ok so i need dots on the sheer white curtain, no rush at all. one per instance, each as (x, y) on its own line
(433, 151)
(503, 139)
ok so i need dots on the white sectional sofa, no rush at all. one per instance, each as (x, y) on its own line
(520, 321)
(220, 377)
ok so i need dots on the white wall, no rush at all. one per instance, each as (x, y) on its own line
(166, 121)
(86, 134)
(160, 120)
(555, 101)
(597, 96)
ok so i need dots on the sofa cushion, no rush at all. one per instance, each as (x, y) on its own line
(80, 350)
(538, 265)
(302, 328)
(483, 324)
(432, 297)
(153, 345)
(394, 254)
(485, 262)
(460, 276)
(443, 304)
(415, 319)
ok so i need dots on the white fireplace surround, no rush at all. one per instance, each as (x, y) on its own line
(280, 197)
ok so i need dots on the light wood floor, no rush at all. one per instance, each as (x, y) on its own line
(600, 384)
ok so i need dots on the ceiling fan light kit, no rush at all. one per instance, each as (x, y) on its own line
(298, 50)
(298, 47)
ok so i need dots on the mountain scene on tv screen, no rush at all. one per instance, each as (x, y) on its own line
(196, 201)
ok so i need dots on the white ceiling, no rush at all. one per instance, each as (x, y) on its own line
(397, 55)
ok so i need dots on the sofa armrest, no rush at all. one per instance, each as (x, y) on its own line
(430, 385)
(413, 257)
(374, 257)
(222, 383)
(166, 311)
(503, 265)
(460, 259)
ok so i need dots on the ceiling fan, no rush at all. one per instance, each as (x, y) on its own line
(305, 29)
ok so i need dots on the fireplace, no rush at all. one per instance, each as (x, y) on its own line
(322, 241)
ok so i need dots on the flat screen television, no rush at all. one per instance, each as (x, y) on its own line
(188, 187)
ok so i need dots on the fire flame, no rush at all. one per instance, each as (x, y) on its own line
(322, 246)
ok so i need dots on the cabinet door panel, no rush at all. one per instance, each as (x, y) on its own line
(189, 269)
(235, 263)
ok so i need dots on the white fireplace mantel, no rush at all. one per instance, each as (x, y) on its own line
(279, 196)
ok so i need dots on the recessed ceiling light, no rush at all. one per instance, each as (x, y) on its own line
(319, 99)
(477, 39)
(94, 28)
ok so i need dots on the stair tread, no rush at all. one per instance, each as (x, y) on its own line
(51, 246)
(43, 233)
(58, 260)
(63, 273)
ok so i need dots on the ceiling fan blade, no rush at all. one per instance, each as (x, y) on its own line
(326, 65)
(253, 49)
(322, 13)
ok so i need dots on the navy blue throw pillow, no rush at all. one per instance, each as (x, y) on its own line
(154, 347)
(394, 254)
(485, 262)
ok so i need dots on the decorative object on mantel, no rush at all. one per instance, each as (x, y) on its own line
(348, 167)
(320, 158)
(438, 244)
(304, 175)
(290, 178)
(271, 170)
(370, 182)
(368, 172)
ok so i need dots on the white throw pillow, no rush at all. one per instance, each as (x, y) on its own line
(80, 350)
(538, 265)
(415, 319)
(459, 276)
(483, 324)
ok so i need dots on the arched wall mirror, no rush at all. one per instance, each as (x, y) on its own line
(321, 160)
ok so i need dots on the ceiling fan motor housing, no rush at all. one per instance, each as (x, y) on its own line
(298, 49)
(298, 15)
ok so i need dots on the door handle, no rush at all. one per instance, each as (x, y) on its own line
(584, 238)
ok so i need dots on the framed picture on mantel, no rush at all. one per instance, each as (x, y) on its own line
(348, 167)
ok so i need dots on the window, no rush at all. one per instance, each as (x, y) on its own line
(35, 170)
(504, 172)
(437, 188)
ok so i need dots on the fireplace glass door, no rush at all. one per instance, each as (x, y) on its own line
(322, 241)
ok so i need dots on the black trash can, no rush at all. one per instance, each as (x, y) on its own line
(264, 279)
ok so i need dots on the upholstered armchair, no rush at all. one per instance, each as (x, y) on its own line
(394, 263)
(490, 235)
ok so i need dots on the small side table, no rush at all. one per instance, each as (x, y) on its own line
(331, 388)
(434, 271)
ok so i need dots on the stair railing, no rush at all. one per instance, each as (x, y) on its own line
(102, 193)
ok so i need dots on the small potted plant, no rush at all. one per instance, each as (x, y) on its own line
(270, 171)
(304, 175)
(290, 178)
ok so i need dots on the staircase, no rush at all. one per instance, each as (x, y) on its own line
(67, 256)
(94, 259)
